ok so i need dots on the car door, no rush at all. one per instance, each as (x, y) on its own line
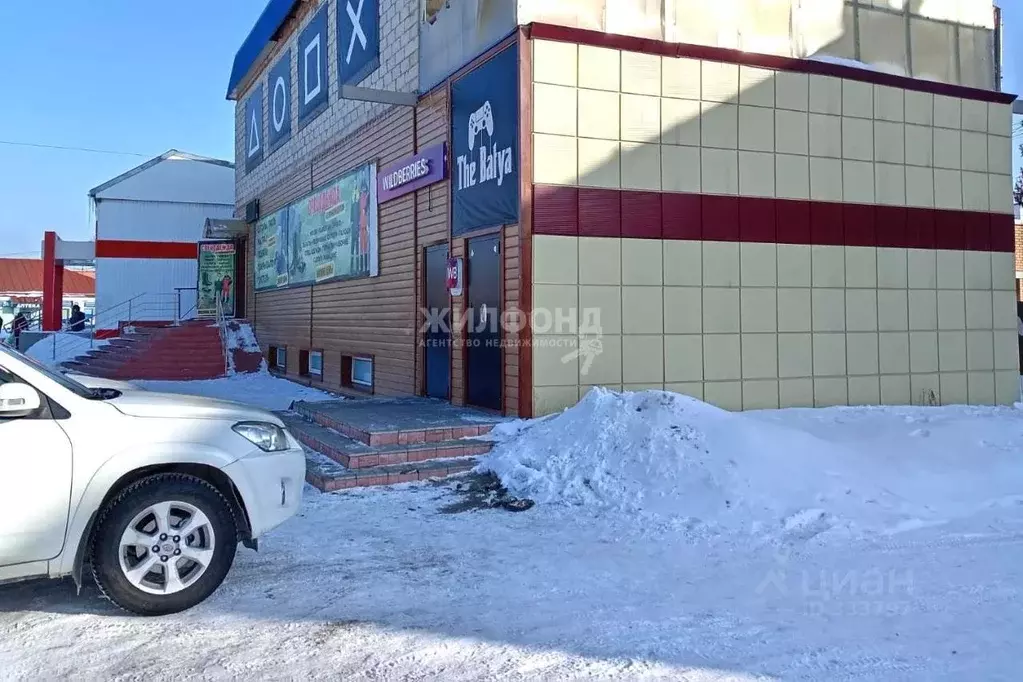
(35, 484)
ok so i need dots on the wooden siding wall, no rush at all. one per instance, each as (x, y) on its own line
(510, 249)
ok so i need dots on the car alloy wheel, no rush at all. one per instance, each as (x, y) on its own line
(167, 547)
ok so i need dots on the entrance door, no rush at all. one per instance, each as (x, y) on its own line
(483, 357)
(437, 338)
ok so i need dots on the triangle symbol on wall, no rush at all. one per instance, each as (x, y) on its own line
(253, 134)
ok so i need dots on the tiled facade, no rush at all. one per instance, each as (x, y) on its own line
(744, 310)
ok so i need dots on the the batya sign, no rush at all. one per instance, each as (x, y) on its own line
(330, 234)
(412, 173)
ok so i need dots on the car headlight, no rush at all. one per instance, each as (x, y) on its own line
(266, 437)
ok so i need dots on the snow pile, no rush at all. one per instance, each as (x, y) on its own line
(259, 389)
(240, 336)
(62, 347)
(658, 454)
(243, 352)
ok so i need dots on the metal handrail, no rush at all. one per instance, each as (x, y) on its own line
(222, 329)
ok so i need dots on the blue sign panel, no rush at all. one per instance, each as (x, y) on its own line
(312, 68)
(279, 86)
(254, 128)
(485, 126)
(358, 39)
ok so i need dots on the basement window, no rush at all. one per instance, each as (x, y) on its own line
(303, 363)
(357, 372)
(316, 363)
(277, 357)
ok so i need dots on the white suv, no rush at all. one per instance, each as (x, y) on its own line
(153, 491)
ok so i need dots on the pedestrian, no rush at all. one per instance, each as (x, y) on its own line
(76, 323)
(18, 325)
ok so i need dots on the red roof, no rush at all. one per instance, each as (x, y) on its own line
(22, 275)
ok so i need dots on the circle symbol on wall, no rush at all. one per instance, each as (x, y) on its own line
(279, 87)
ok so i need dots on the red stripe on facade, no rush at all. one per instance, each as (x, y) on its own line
(669, 215)
(118, 248)
(720, 54)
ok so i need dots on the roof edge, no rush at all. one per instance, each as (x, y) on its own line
(167, 155)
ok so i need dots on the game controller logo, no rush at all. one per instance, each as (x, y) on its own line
(493, 164)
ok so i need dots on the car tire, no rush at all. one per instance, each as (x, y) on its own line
(183, 571)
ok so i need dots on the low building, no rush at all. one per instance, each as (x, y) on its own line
(505, 203)
(21, 290)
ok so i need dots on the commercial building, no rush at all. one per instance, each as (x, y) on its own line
(21, 290)
(505, 203)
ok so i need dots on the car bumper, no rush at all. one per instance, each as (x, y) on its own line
(270, 485)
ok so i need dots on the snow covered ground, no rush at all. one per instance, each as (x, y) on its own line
(729, 568)
(261, 389)
(62, 347)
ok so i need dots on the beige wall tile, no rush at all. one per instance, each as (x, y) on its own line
(795, 393)
(975, 115)
(550, 366)
(1003, 309)
(828, 310)
(920, 187)
(861, 310)
(951, 309)
(890, 184)
(981, 388)
(759, 309)
(858, 182)
(889, 103)
(555, 259)
(791, 132)
(554, 109)
(641, 166)
(692, 389)
(919, 107)
(599, 163)
(641, 73)
(857, 139)
(680, 169)
(683, 263)
(642, 359)
(923, 352)
(953, 388)
(1006, 388)
(606, 367)
(864, 390)
(895, 389)
(976, 192)
(756, 129)
(683, 358)
(683, 310)
(948, 149)
(642, 310)
(555, 309)
(892, 268)
(999, 119)
(641, 118)
(756, 86)
(999, 154)
(793, 265)
(978, 310)
(951, 270)
(829, 354)
(719, 125)
(923, 268)
(758, 264)
(795, 355)
(1003, 271)
(720, 264)
(719, 172)
(792, 176)
(722, 358)
(600, 260)
(760, 395)
(892, 310)
(599, 114)
(861, 267)
(825, 95)
(555, 62)
(792, 90)
(759, 356)
(974, 151)
(720, 81)
(863, 352)
(680, 122)
(720, 310)
(1006, 350)
(829, 392)
(980, 350)
(857, 99)
(825, 179)
(555, 160)
(724, 394)
(599, 68)
(583, 390)
(825, 135)
(1000, 193)
(952, 351)
(978, 269)
(756, 174)
(644, 386)
(923, 309)
(889, 142)
(551, 399)
(680, 77)
(828, 265)
(925, 389)
(604, 301)
(919, 145)
(641, 261)
(794, 310)
(948, 112)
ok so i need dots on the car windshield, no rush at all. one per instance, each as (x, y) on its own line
(67, 382)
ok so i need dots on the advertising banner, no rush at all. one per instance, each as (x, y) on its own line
(412, 173)
(216, 278)
(329, 234)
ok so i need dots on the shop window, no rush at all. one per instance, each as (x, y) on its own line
(357, 372)
(278, 358)
(316, 364)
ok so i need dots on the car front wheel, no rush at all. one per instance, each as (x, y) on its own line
(163, 544)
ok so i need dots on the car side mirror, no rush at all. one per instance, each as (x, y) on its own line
(18, 400)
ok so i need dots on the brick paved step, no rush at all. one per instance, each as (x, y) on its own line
(327, 475)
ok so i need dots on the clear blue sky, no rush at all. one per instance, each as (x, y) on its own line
(139, 76)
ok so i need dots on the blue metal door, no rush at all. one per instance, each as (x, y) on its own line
(483, 356)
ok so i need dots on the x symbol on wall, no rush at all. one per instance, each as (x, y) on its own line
(354, 15)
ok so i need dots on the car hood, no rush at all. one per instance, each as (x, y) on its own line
(174, 406)
(97, 382)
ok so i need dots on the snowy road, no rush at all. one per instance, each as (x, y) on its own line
(377, 585)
